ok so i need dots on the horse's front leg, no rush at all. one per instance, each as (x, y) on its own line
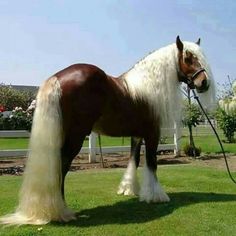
(129, 184)
(151, 190)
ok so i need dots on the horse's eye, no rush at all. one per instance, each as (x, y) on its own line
(188, 60)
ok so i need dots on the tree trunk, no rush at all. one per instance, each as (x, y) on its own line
(191, 141)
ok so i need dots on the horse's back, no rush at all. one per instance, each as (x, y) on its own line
(80, 74)
(81, 80)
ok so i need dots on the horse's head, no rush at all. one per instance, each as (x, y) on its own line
(191, 71)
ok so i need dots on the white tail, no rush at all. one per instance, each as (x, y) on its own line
(40, 196)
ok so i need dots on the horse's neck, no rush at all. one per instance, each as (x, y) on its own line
(154, 79)
(156, 70)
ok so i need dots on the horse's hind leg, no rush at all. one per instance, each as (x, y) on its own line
(129, 184)
(70, 149)
(151, 190)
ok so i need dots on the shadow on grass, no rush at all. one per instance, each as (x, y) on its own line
(133, 211)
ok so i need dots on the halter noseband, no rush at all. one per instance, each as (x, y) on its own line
(195, 75)
(189, 80)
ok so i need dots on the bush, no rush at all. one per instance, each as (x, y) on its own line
(189, 150)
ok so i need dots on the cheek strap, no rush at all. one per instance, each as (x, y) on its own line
(189, 80)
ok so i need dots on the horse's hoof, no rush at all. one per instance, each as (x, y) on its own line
(127, 190)
(153, 193)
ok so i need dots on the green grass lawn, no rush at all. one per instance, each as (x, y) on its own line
(199, 205)
(208, 143)
(203, 137)
(13, 143)
(22, 143)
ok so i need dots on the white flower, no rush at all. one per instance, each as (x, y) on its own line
(32, 105)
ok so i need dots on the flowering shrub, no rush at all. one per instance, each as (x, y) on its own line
(2, 108)
(226, 115)
(18, 119)
(227, 122)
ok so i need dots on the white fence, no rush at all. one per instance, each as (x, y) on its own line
(92, 150)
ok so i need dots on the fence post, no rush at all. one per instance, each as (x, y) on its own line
(92, 147)
(177, 139)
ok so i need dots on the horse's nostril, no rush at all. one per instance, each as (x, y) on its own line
(204, 86)
(204, 83)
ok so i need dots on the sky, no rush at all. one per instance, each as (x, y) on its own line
(39, 38)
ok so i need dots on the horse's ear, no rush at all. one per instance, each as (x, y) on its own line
(179, 44)
(198, 42)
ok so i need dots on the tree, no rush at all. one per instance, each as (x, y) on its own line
(11, 98)
(191, 118)
(225, 90)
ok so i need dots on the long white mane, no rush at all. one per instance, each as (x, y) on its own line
(155, 79)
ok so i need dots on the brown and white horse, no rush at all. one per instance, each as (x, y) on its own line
(82, 98)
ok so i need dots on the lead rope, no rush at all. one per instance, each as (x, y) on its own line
(217, 136)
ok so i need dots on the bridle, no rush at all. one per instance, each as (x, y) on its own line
(189, 79)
